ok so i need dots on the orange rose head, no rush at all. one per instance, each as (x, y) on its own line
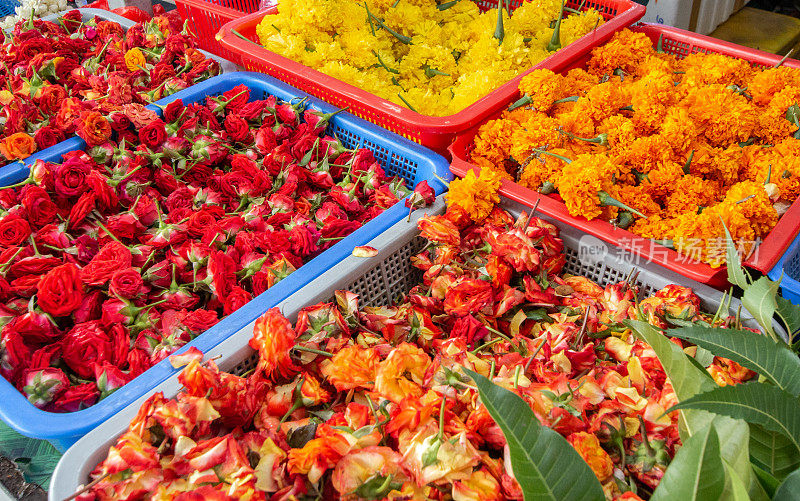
(274, 337)
(439, 229)
(94, 128)
(588, 446)
(134, 59)
(17, 146)
(352, 367)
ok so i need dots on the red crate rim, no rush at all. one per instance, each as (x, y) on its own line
(770, 249)
(628, 12)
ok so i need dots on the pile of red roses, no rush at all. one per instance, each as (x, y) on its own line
(121, 254)
(56, 73)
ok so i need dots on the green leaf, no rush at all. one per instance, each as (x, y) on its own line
(789, 488)
(736, 487)
(757, 403)
(772, 452)
(697, 472)
(704, 357)
(759, 299)
(736, 273)
(545, 465)
(790, 314)
(772, 360)
(767, 481)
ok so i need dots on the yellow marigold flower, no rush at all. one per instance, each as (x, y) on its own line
(436, 62)
(477, 195)
(574, 27)
(134, 59)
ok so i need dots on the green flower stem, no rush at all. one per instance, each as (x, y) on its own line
(312, 350)
(523, 101)
(607, 200)
(555, 40)
(687, 166)
(499, 31)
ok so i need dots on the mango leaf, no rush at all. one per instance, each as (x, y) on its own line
(767, 481)
(789, 488)
(545, 465)
(737, 487)
(704, 357)
(689, 379)
(697, 472)
(736, 273)
(759, 299)
(775, 361)
(790, 315)
(772, 452)
(757, 403)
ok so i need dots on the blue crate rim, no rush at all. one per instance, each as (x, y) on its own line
(8, 7)
(778, 272)
(61, 428)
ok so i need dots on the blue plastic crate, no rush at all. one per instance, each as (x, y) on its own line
(787, 270)
(8, 7)
(398, 155)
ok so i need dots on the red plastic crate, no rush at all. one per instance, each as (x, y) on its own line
(681, 43)
(206, 17)
(434, 132)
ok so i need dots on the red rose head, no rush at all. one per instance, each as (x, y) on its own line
(60, 291)
(42, 386)
(112, 257)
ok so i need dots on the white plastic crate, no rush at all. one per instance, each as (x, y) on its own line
(378, 281)
(678, 13)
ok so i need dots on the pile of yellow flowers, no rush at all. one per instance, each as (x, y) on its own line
(435, 58)
(669, 148)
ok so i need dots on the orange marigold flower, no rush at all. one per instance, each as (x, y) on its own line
(701, 69)
(475, 194)
(543, 87)
(588, 446)
(625, 51)
(581, 181)
(764, 85)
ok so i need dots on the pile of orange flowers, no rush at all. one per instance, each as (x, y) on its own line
(669, 148)
(359, 402)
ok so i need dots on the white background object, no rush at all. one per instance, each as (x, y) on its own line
(678, 13)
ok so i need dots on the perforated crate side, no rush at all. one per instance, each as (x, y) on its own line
(608, 9)
(394, 163)
(792, 267)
